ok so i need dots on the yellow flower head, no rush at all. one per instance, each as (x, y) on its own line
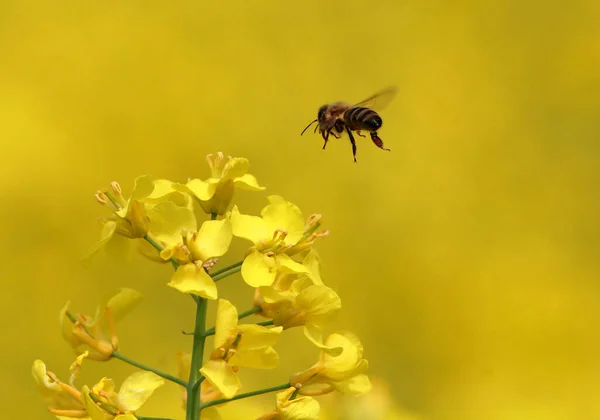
(64, 400)
(129, 219)
(195, 251)
(103, 403)
(281, 231)
(341, 366)
(238, 346)
(214, 195)
(290, 408)
(296, 299)
(85, 333)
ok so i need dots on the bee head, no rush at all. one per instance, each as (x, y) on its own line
(321, 112)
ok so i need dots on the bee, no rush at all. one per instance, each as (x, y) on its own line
(335, 118)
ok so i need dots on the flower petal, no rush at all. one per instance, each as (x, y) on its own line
(137, 389)
(222, 377)
(168, 221)
(301, 408)
(226, 323)
(287, 265)
(312, 262)
(258, 336)
(189, 279)
(235, 168)
(123, 302)
(320, 303)
(315, 336)
(285, 216)
(259, 270)
(347, 363)
(213, 239)
(255, 358)
(248, 227)
(143, 186)
(94, 411)
(247, 182)
(356, 385)
(203, 190)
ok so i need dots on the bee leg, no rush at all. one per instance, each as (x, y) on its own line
(378, 142)
(334, 135)
(325, 137)
(353, 143)
(359, 133)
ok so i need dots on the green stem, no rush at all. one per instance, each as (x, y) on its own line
(246, 395)
(132, 362)
(226, 274)
(229, 267)
(193, 395)
(265, 323)
(153, 418)
(251, 311)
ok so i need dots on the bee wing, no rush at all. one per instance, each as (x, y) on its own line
(380, 100)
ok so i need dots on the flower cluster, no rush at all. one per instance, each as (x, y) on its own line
(191, 226)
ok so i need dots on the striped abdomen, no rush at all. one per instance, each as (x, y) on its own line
(361, 118)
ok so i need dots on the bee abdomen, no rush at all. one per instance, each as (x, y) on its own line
(361, 118)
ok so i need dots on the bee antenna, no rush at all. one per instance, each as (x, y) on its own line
(308, 126)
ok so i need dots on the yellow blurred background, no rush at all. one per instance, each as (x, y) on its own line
(466, 258)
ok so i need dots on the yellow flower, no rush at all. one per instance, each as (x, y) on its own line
(194, 252)
(129, 219)
(103, 403)
(85, 333)
(341, 367)
(238, 345)
(280, 232)
(294, 299)
(64, 401)
(214, 195)
(300, 408)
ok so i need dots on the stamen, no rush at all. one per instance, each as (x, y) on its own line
(116, 188)
(101, 197)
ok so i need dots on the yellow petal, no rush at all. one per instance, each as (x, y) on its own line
(357, 385)
(210, 413)
(137, 389)
(168, 221)
(235, 168)
(259, 270)
(312, 262)
(226, 324)
(222, 377)
(201, 189)
(94, 411)
(123, 302)
(142, 187)
(285, 216)
(315, 336)
(212, 240)
(247, 182)
(190, 279)
(348, 361)
(287, 265)
(248, 227)
(162, 187)
(301, 408)
(255, 358)
(258, 336)
(320, 303)
(125, 417)
(108, 230)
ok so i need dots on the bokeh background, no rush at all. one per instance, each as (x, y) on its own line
(466, 258)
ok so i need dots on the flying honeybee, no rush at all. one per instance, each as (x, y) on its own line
(339, 116)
